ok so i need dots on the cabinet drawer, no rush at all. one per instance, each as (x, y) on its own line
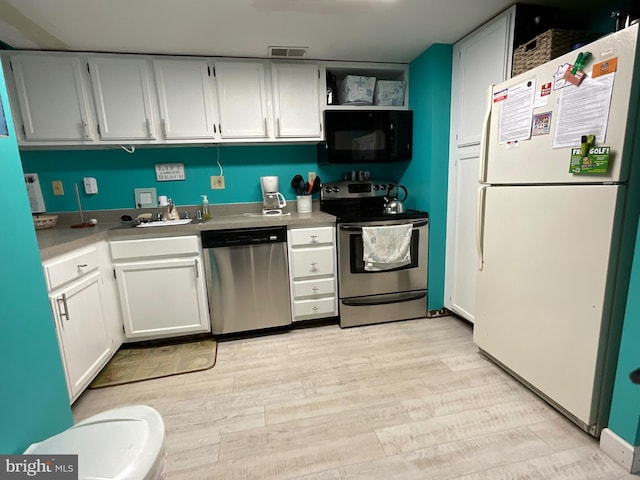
(154, 247)
(311, 236)
(312, 262)
(66, 268)
(324, 307)
(314, 288)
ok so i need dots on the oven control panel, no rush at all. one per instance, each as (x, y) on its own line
(347, 189)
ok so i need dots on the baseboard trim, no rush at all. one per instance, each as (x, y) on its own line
(622, 452)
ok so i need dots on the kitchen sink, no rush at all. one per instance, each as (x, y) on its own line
(165, 223)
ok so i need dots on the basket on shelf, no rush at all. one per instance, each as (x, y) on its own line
(547, 46)
(44, 221)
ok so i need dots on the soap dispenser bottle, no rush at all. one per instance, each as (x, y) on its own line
(205, 207)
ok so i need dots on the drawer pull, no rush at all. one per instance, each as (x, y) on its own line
(314, 238)
(315, 289)
(82, 265)
(313, 265)
(315, 308)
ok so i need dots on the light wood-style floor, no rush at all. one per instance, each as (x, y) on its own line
(403, 400)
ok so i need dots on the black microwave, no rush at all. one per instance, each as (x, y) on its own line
(366, 136)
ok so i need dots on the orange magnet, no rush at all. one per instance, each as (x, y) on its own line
(602, 68)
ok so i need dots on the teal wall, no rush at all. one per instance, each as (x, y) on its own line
(34, 403)
(426, 175)
(118, 173)
(624, 419)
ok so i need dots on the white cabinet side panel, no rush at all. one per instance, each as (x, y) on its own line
(465, 259)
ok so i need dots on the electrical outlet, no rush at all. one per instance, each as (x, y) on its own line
(57, 187)
(312, 177)
(217, 182)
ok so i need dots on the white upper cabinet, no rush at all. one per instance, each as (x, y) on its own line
(185, 89)
(242, 99)
(296, 100)
(52, 97)
(79, 99)
(482, 59)
(122, 93)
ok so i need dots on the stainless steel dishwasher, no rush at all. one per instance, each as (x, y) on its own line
(247, 278)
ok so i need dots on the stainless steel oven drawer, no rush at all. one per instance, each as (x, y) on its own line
(382, 308)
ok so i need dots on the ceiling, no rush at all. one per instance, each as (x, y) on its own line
(349, 30)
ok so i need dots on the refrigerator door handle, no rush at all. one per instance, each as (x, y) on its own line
(482, 174)
(480, 225)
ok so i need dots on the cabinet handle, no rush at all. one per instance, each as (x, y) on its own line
(197, 269)
(63, 300)
(164, 127)
(314, 238)
(278, 123)
(149, 132)
(266, 128)
(315, 308)
(220, 129)
(81, 266)
(315, 289)
(215, 130)
(85, 129)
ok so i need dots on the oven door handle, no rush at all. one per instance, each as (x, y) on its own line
(358, 228)
(399, 298)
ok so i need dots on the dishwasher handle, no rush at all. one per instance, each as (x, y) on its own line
(243, 236)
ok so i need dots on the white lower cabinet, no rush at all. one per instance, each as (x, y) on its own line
(312, 272)
(80, 307)
(162, 287)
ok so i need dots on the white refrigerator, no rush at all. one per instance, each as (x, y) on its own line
(553, 245)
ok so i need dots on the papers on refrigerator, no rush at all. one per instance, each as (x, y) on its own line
(517, 113)
(583, 110)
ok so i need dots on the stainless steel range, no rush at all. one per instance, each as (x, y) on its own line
(387, 294)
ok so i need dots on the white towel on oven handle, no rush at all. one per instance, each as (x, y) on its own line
(386, 247)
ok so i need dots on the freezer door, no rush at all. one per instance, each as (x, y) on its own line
(542, 310)
(535, 161)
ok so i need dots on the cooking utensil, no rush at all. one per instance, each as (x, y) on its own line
(295, 183)
(316, 185)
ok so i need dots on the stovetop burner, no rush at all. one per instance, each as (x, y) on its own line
(361, 201)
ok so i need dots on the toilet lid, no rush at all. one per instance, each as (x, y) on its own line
(123, 443)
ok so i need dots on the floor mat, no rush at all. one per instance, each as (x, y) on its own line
(143, 363)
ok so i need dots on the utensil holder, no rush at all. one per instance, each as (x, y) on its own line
(303, 203)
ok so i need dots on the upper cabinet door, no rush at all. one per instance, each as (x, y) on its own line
(52, 96)
(296, 100)
(185, 98)
(122, 92)
(242, 99)
(480, 60)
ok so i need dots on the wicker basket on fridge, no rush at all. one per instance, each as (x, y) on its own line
(547, 46)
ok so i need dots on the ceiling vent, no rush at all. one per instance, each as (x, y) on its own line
(288, 52)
